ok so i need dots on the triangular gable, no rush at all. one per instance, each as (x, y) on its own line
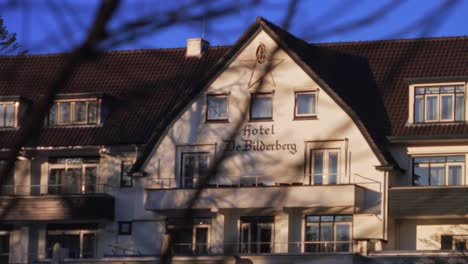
(281, 38)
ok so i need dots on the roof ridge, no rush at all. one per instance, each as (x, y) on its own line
(129, 51)
(389, 40)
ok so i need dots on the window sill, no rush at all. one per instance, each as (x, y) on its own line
(261, 120)
(217, 121)
(306, 117)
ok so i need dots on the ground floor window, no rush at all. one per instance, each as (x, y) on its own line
(454, 242)
(328, 233)
(4, 247)
(256, 234)
(74, 243)
(190, 237)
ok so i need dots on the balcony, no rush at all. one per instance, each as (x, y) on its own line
(62, 202)
(256, 193)
(428, 201)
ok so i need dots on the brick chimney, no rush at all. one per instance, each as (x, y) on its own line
(196, 47)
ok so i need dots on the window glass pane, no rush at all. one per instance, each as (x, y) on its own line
(53, 115)
(312, 235)
(432, 89)
(2, 115)
(318, 168)
(420, 90)
(326, 218)
(454, 175)
(90, 179)
(456, 158)
(56, 178)
(343, 218)
(421, 174)
(447, 107)
(432, 108)
(65, 111)
(72, 182)
(217, 107)
(437, 175)
(261, 107)
(92, 112)
(326, 236)
(9, 115)
(201, 241)
(419, 109)
(460, 107)
(313, 218)
(80, 112)
(126, 180)
(332, 167)
(343, 233)
(460, 89)
(306, 104)
(447, 89)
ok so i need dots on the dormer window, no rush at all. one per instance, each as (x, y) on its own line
(75, 112)
(443, 103)
(8, 114)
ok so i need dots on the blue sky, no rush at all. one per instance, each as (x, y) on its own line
(50, 26)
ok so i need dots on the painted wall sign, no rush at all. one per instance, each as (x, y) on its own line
(248, 143)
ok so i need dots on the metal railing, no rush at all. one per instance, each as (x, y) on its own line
(259, 248)
(238, 181)
(55, 189)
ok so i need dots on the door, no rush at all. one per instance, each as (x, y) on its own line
(90, 180)
(264, 238)
(343, 237)
(201, 240)
(56, 178)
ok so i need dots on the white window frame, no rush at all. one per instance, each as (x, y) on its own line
(194, 237)
(412, 103)
(15, 114)
(66, 166)
(270, 95)
(309, 115)
(219, 95)
(325, 165)
(72, 122)
(180, 150)
(79, 232)
(445, 165)
(196, 177)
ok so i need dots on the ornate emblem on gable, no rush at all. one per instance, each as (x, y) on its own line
(262, 67)
(261, 53)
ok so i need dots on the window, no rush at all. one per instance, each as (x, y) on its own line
(8, 114)
(79, 112)
(73, 175)
(125, 228)
(439, 104)
(261, 106)
(256, 234)
(77, 243)
(8, 184)
(328, 233)
(126, 178)
(306, 104)
(190, 237)
(194, 166)
(4, 247)
(438, 170)
(217, 107)
(453, 242)
(324, 166)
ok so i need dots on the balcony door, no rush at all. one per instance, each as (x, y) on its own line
(194, 166)
(324, 166)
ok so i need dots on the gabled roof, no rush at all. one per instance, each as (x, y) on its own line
(148, 89)
(141, 88)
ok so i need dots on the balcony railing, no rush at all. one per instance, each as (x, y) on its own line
(55, 189)
(238, 181)
(259, 248)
